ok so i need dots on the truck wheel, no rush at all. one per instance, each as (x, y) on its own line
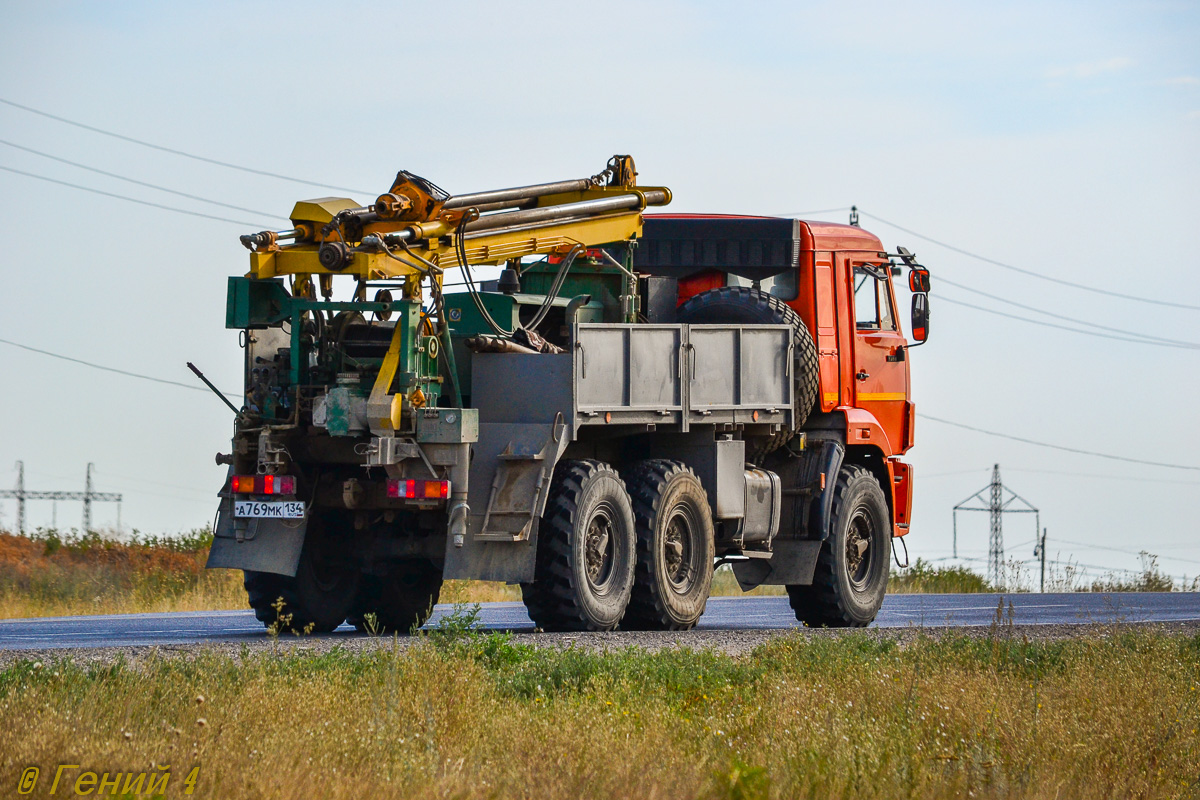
(321, 592)
(740, 304)
(675, 547)
(583, 571)
(852, 568)
(401, 599)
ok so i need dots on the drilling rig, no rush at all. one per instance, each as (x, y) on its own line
(637, 399)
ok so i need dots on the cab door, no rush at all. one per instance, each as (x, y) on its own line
(880, 356)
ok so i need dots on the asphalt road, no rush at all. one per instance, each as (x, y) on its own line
(724, 613)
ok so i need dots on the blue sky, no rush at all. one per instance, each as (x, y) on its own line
(1060, 137)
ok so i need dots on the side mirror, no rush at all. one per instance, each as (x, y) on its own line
(920, 316)
(918, 279)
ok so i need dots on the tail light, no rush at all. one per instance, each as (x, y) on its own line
(263, 484)
(418, 490)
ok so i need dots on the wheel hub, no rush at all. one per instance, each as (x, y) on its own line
(599, 550)
(858, 548)
(677, 551)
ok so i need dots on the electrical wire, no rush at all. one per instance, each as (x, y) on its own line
(173, 151)
(799, 214)
(460, 249)
(134, 180)
(975, 471)
(964, 287)
(238, 222)
(1119, 550)
(113, 369)
(1055, 562)
(206, 492)
(1056, 446)
(941, 279)
(555, 287)
(1043, 323)
(1100, 477)
(1030, 272)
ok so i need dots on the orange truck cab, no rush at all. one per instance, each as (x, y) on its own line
(839, 279)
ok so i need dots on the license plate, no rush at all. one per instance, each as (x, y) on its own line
(288, 509)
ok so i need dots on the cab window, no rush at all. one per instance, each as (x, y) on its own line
(872, 300)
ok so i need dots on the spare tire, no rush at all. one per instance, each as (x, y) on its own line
(741, 304)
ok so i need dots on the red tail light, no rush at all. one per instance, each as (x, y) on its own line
(263, 484)
(418, 490)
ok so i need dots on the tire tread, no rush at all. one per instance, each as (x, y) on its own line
(647, 482)
(552, 599)
(821, 604)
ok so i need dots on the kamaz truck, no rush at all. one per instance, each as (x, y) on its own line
(638, 399)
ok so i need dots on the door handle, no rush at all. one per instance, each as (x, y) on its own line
(863, 375)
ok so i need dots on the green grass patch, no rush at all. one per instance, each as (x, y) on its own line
(463, 714)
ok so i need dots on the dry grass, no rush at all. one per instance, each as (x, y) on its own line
(52, 574)
(1112, 715)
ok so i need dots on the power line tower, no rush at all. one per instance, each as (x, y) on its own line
(995, 536)
(89, 495)
(997, 506)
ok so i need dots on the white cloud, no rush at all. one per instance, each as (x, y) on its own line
(1192, 114)
(1090, 69)
(1183, 80)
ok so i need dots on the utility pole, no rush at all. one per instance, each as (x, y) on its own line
(87, 500)
(996, 506)
(1039, 551)
(21, 497)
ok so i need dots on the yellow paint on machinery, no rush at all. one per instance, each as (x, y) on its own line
(419, 226)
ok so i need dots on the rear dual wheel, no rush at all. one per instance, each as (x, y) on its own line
(675, 547)
(328, 589)
(583, 574)
(319, 596)
(400, 600)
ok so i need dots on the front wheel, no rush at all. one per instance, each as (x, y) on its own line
(583, 572)
(852, 568)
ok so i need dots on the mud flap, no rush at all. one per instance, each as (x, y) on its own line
(511, 469)
(260, 545)
(792, 564)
